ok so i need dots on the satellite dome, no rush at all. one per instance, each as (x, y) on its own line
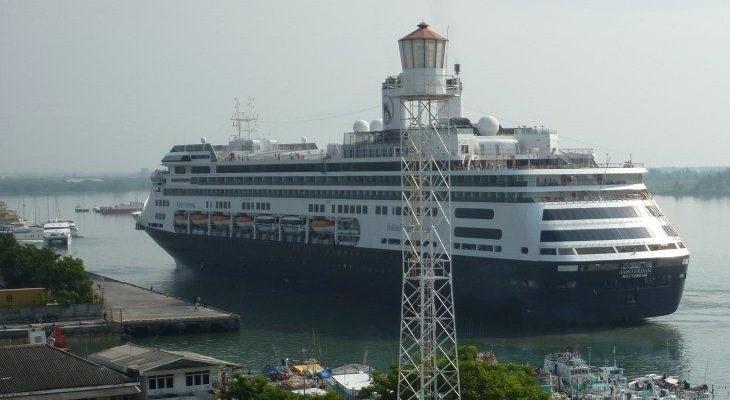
(360, 126)
(376, 125)
(304, 139)
(203, 140)
(488, 126)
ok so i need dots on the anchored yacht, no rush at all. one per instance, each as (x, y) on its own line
(541, 232)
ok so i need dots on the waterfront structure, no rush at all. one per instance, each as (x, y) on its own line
(541, 233)
(167, 373)
(46, 372)
(428, 356)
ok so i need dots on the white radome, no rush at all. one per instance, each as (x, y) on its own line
(488, 126)
(203, 140)
(360, 126)
(376, 125)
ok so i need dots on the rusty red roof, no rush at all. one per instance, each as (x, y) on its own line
(423, 32)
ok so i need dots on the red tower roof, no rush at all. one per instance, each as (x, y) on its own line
(423, 32)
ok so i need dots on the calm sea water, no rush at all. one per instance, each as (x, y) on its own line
(282, 321)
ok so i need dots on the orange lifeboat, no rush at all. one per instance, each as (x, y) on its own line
(181, 218)
(323, 225)
(244, 220)
(199, 218)
(221, 219)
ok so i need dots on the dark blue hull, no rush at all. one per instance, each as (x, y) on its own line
(484, 289)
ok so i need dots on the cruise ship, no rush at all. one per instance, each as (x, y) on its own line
(540, 233)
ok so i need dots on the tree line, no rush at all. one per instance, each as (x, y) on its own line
(25, 265)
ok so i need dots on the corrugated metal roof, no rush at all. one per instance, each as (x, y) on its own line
(130, 357)
(423, 32)
(37, 368)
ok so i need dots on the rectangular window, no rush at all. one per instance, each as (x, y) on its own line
(188, 380)
(474, 213)
(200, 169)
(364, 209)
(478, 233)
(588, 213)
(339, 208)
(584, 235)
(180, 170)
(419, 53)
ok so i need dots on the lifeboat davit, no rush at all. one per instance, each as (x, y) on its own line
(199, 218)
(244, 221)
(181, 218)
(221, 219)
(323, 225)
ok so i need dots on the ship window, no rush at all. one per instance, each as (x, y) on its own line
(566, 251)
(485, 247)
(478, 233)
(359, 209)
(524, 250)
(588, 213)
(180, 170)
(339, 208)
(548, 252)
(393, 241)
(631, 248)
(457, 245)
(595, 250)
(582, 235)
(498, 248)
(364, 209)
(200, 170)
(468, 246)
(385, 210)
(475, 213)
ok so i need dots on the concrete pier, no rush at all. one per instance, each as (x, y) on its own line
(138, 311)
(135, 311)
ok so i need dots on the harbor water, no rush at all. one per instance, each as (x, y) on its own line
(293, 321)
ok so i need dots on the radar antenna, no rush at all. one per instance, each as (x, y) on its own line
(245, 121)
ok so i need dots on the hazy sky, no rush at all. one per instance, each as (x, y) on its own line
(93, 86)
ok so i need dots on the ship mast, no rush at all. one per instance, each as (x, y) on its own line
(245, 121)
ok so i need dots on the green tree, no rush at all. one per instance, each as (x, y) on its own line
(259, 388)
(29, 266)
(480, 380)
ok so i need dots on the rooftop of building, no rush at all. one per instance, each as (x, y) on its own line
(35, 369)
(139, 359)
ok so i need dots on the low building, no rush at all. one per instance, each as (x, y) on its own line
(45, 372)
(167, 373)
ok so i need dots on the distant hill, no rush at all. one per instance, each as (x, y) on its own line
(705, 182)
